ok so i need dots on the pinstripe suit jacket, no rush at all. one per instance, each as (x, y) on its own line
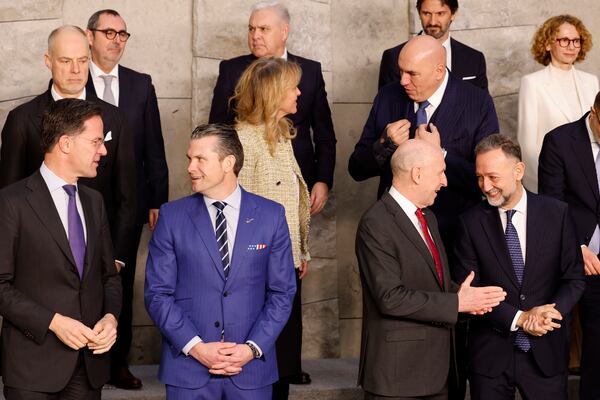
(464, 117)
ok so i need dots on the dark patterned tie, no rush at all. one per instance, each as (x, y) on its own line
(421, 113)
(75, 227)
(221, 234)
(432, 247)
(516, 256)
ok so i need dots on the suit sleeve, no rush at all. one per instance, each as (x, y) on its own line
(460, 171)
(370, 156)
(26, 314)
(220, 112)
(123, 180)
(528, 129)
(12, 151)
(501, 316)
(111, 279)
(160, 285)
(280, 290)
(572, 282)
(323, 133)
(386, 68)
(154, 152)
(551, 170)
(379, 269)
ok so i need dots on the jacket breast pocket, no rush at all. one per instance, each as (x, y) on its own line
(406, 335)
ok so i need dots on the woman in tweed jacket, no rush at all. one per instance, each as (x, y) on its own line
(266, 92)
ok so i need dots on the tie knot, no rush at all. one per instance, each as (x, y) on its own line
(423, 105)
(70, 189)
(107, 79)
(220, 205)
(419, 214)
(509, 215)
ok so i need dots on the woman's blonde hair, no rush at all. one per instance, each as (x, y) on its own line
(259, 93)
(547, 33)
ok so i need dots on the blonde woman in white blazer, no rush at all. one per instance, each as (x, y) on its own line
(557, 94)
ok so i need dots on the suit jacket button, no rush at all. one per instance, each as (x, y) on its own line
(522, 297)
(225, 294)
(217, 324)
(278, 183)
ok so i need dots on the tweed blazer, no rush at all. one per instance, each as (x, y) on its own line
(273, 177)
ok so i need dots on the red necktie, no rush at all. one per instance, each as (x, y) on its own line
(432, 248)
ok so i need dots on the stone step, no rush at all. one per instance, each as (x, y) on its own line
(332, 379)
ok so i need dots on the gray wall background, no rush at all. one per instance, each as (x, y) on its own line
(180, 43)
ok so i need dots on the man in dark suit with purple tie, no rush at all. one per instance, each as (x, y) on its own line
(568, 170)
(133, 93)
(525, 243)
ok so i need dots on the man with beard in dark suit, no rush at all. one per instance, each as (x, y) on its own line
(314, 146)
(436, 17)
(134, 94)
(21, 153)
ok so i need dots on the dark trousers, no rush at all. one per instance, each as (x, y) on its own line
(78, 388)
(120, 350)
(289, 347)
(589, 313)
(443, 395)
(523, 374)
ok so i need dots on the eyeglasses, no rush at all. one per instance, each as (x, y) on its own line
(565, 42)
(111, 34)
(95, 142)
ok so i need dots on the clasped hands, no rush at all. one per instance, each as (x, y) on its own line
(478, 300)
(222, 358)
(540, 320)
(77, 335)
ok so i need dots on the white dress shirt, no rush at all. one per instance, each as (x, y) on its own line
(98, 82)
(435, 99)
(519, 220)
(448, 48)
(409, 209)
(61, 198)
(232, 215)
(56, 96)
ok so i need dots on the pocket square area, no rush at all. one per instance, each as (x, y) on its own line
(255, 247)
(108, 136)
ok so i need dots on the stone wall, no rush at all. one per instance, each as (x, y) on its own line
(181, 42)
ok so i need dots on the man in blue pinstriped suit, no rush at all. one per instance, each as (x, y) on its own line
(219, 303)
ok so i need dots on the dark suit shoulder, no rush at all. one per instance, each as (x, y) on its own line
(131, 73)
(566, 131)
(34, 106)
(551, 204)
(236, 62)
(305, 63)
(461, 47)
(394, 50)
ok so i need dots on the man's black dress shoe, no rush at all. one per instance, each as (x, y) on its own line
(122, 378)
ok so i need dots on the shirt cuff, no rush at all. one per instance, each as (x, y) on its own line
(121, 263)
(513, 326)
(190, 345)
(260, 353)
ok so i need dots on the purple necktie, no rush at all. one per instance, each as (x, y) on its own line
(76, 238)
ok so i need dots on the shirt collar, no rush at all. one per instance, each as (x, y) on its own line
(407, 206)
(96, 71)
(57, 96)
(234, 200)
(589, 129)
(53, 181)
(436, 98)
(520, 207)
(446, 43)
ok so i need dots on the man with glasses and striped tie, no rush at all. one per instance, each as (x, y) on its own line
(525, 243)
(219, 279)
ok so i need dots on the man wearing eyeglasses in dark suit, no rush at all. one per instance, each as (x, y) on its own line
(133, 93)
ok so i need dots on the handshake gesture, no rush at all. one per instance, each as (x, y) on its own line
(478, 300)
(540, 320)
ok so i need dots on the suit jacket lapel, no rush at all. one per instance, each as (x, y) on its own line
(125, 89)
(582, 148)
(493, 229)
(437, 239)
(42, 204)
(246, 227)
(201, 220)
(448, 112)
(535, 235)
(409, 230)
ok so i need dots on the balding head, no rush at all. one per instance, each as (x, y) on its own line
(418, 171)
(422, 63)
(67, 59)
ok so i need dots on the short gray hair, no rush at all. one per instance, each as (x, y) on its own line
(279, 8)
(60, 29)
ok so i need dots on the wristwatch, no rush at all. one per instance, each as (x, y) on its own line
(255, 352)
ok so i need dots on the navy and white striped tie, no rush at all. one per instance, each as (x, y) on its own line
(221, 234)
(516, 256)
